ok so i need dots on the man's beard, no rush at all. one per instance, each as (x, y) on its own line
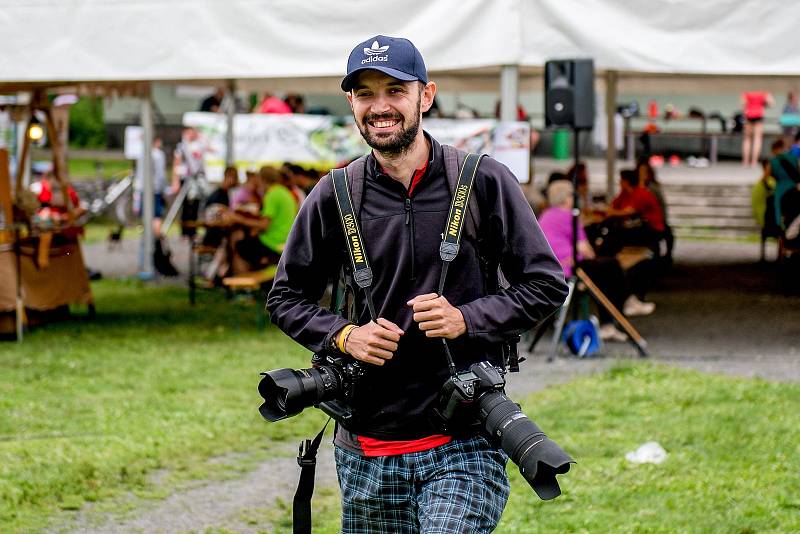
(398, 142)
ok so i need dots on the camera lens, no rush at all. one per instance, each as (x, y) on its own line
(287, 392)
(538, 457)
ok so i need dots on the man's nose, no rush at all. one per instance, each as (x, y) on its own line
(380, 104)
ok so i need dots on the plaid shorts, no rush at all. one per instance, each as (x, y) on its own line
(455, 488)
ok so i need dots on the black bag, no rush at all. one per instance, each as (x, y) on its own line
(161, 260)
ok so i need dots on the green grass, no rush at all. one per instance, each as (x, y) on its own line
(89, 408)
(733, 464)
(80, 168)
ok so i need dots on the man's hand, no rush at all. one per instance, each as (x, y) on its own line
(374, 342)
(437, 317)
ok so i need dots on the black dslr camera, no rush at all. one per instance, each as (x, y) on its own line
(477, 397)
(330, 380)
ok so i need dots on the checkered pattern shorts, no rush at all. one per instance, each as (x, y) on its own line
(458, 487)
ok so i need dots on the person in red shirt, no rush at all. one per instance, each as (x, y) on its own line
(633, 202)
(753, 104)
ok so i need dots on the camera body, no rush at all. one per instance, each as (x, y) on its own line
(457, 409)
(329, 384)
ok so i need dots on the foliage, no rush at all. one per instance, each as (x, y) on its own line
(86, 126)
(86, 168)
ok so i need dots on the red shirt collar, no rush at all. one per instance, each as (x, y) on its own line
(415, 179)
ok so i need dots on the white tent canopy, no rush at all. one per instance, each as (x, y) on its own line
(122, 45)
(49, 41)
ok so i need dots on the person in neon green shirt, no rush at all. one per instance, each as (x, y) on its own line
(278, 211)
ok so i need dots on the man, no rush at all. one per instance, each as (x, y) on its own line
(635, 200)
(397, 470)
(213, 102)
(159, 161)
(278, 211)
(188, 164)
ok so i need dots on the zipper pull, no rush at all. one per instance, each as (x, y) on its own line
(408, 210)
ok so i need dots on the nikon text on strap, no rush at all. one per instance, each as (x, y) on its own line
(362, 273)
(451, 238)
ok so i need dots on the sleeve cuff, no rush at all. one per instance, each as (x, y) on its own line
(467, 319)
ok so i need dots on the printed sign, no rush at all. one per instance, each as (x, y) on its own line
(323, 142)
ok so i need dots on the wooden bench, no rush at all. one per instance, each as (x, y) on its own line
(630, 256)
(255, 283)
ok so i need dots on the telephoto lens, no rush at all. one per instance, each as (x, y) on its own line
(538, 457)
(287, 392)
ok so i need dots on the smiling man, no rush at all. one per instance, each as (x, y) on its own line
(399, 470)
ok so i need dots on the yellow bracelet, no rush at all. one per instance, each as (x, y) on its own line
(341, 339)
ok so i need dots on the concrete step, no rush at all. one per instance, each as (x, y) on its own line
(707, 200)
(715, 222)
(708, 190)
(682, 211)
(715, 233)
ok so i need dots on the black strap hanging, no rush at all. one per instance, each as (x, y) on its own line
(301, 505)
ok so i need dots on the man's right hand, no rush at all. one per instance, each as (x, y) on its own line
(374, 342)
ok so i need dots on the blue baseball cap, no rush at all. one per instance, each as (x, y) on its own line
(394, 56)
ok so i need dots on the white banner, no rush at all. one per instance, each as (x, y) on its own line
(322, 142)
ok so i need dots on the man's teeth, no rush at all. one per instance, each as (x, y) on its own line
(383, 124)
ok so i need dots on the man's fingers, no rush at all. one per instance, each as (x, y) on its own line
(421, 317)
(381, 343)
(422, 298)
(389, 325)
(378, 352)
(370, 359)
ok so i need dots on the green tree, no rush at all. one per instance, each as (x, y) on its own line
(86, 126)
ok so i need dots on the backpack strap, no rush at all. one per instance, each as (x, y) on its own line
(356, 172)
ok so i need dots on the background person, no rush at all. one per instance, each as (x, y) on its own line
(753, 104)
(279, 208)
(456, 484)
(160, 187)
(556, 223)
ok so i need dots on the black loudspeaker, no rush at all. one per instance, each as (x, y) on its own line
(569, 93)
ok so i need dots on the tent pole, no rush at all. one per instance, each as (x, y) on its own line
(22, 159)
(230, 114)
(148, 195)
(509, 92)
(611, 145)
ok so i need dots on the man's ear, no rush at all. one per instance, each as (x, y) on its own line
(350, 99)
(426, 97)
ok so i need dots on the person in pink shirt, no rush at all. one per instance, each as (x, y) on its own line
(272, 104)
(753, 104)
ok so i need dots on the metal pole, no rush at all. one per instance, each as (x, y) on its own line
(611, 148)
(231, 114)
(148, 194)
(509, 92)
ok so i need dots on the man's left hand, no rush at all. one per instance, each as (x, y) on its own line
(437, 317)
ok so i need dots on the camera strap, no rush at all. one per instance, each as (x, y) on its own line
(301, 505)
(451, 238)
(362, 273)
